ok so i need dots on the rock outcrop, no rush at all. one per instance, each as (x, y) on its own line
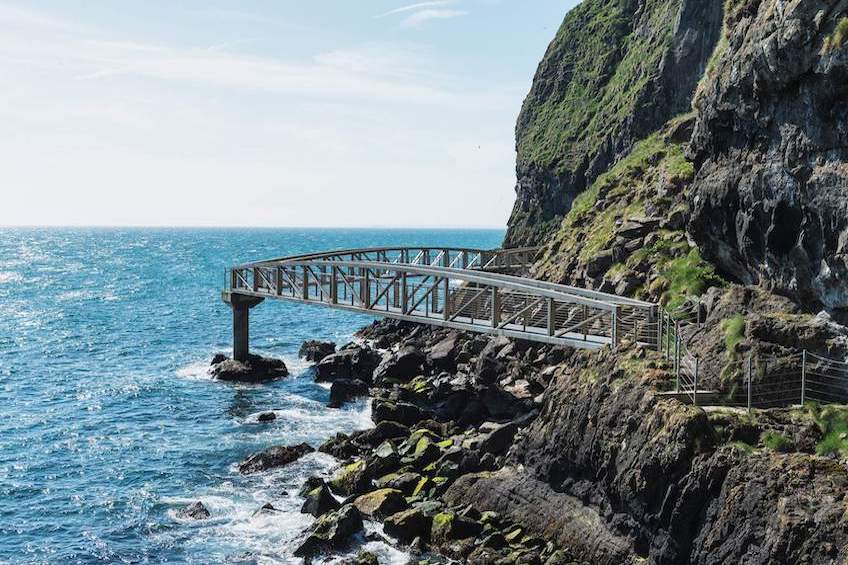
(273, 457)
(616, 71)
(256, 369)
(770, 201)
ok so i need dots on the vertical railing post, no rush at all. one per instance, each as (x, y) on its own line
(305, 288)
(404, 293)
(334, 285)
(255, 279)
(278, 280)
(803, 375)
(366, 288)
(615, 336)
(496, 307)
(551, 317)
(695, 385)
(446, 305)
(677, 354)
(750, 378)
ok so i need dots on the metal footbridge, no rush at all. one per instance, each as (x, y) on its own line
(465, 289)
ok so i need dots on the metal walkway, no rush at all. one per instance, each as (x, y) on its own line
(464, 289)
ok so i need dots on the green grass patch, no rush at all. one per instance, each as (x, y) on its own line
(832, 421)
(687, 276)
(742, 446)
(734, 332)
(837, 39)
(777, 442)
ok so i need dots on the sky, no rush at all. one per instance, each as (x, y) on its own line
(341, 113)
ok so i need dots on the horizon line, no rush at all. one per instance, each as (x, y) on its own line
(236, 227)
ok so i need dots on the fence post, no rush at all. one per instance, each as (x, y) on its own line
(551, 317)
(695, 385)
(677, 354)
(446, 305)
(496, 307)
(615, 327)
(803, 375)
(750, 374)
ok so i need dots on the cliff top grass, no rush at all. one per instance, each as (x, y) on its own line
(592, 79)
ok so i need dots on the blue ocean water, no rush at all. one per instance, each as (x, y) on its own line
(109, 422)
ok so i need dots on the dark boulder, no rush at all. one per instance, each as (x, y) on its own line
(332, 531)
(383, 431)
(319, 501)
(408, 525)
(196, 511)
(401, 412)
(351, 362)
(273, 457)
(341, 446)
(315, 351)
(255, 370)
(346, 390)
(401, 366)
(442, 356)
(361, 558)
(448, 527)
(266, 417)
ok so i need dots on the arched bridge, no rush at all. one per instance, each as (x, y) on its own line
(460, 288)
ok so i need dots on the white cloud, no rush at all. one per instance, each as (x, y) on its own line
(426, 15)
(412, 7)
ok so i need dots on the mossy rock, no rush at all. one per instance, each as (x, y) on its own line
(408, 525)
(381, 503)
(351, 479)
(448, 527)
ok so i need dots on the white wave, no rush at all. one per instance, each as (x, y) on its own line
(7, 277)
(196, 370)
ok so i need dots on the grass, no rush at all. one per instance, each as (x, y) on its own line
(687, 276)
(777, 442)
(832, 421)
(741, 445)
(734, 332)
(837, 39)
(595, 73)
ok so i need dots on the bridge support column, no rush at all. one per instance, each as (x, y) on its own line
(241, 305)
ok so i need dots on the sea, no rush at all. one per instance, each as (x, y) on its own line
(109, 420)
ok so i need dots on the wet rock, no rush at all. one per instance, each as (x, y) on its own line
(381, 503)
(273, 457)
(401, 412)
(196, 511)
(341, 446)
(501, 405)
(408, 525)
(401, 366)
(489, 369)
(383, 431)
(319, 501)
(346, 390)
(315, 351)
(352, 362)
(266, 508)
(331, 532)
(362, 558)
(266, 417)
(255, 370)
(351, 479)
(311, 483)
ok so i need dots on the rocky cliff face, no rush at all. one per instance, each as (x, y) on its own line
(770, 199)
(616, 71)
(619, 475)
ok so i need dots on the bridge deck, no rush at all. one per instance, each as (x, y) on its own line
(465, 289)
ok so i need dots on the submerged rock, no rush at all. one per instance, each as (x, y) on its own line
(273, 457)
(315, 351)
(266, 417)
(256, 369)
(196, 511)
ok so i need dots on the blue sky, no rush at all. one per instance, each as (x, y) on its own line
(285, 113)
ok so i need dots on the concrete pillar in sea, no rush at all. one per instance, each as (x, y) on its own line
(241, 305)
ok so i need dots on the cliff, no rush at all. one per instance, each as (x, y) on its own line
(616, 71)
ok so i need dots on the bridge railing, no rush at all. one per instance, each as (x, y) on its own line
(452, 297)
